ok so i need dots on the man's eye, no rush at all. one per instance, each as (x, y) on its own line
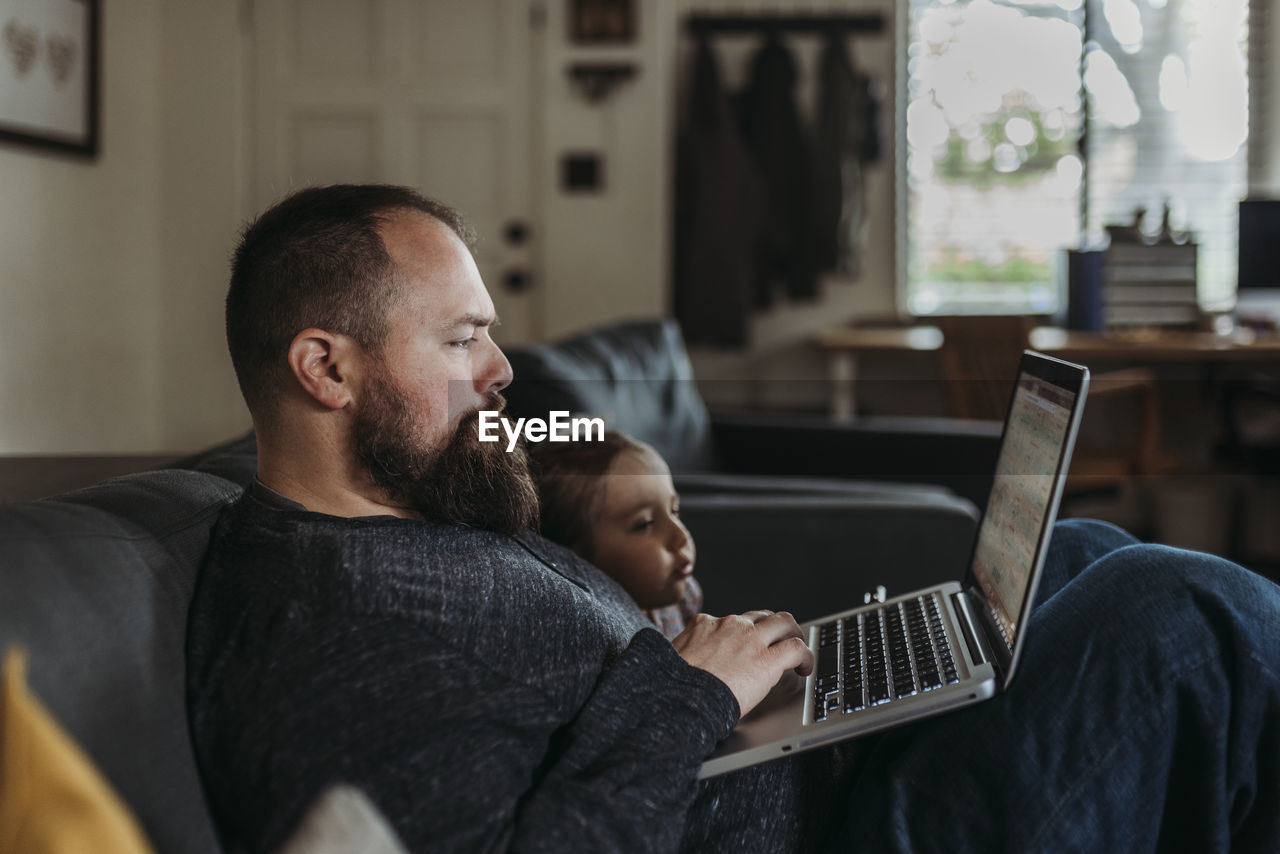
(463, 343)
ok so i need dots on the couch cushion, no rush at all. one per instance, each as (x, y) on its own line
(236, 460)
(54, 799)
(96, 585)
(636, 375)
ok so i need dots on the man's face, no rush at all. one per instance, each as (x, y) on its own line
(416, 426)
(438, 347)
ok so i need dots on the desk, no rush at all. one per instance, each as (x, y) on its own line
(1173, 346)
(843, 346)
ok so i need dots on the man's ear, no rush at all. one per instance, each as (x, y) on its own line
(324, 365)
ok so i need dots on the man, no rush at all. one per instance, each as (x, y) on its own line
(374, 611)
(482, 685)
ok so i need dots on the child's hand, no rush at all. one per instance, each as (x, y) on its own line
(748, 652)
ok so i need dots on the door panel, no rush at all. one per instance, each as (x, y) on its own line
(329, 148)
(431, 93)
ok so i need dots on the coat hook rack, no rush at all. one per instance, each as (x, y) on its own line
(706, 24)
(597, 80)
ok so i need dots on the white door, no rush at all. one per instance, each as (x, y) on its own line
(434, 94)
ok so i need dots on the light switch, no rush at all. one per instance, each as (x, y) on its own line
(582, 172)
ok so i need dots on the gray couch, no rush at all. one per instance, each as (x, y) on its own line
(788, 510)
(96, 583)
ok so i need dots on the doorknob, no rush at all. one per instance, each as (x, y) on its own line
(516, 232)
(517, 280)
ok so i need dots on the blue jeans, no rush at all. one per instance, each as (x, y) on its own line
(1145, 716)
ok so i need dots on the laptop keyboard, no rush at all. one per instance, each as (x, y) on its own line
(878, 656)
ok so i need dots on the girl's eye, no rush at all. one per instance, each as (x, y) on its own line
(643, 524)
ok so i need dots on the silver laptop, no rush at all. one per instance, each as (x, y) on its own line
(941, 648)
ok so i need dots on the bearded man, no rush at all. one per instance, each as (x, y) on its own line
(376, 612)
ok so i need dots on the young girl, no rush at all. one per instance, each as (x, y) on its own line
(614, 504)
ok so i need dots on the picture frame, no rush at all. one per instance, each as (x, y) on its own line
(49, 57)
(602, 22)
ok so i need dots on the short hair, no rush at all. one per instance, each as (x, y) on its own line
(570, 480)
(316, 259)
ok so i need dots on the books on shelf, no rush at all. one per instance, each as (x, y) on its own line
(1116, 316)
(1150, 285)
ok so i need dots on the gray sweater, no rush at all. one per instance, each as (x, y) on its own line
(488, 693)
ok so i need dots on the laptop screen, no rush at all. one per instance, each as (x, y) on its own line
(1033, 458)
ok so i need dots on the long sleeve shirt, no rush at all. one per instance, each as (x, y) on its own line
(487, 692)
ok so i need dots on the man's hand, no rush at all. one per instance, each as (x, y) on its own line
(747, 652)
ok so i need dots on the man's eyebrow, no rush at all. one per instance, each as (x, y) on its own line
(471, 320)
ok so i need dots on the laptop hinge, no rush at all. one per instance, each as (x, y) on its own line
(974, 637)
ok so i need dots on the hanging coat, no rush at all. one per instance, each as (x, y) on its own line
(771, 126)
(719, 215)
(847, 141)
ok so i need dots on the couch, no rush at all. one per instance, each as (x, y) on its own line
(636, 374)
(786, 509)
(95, 584)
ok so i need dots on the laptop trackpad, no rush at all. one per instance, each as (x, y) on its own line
(779, 715)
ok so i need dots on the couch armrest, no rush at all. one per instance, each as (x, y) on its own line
(958, 454)
(816, 554)
(235, 460)
(704, 483)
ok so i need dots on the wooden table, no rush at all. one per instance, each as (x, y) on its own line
(1172, 346)
(843, 345)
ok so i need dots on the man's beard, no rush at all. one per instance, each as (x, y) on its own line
(465, 482)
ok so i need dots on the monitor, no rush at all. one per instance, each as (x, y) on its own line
(1259, 261)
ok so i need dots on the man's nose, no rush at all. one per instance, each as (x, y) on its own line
(497, 373)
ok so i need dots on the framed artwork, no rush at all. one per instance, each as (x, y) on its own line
(49, 74)
(602, 21)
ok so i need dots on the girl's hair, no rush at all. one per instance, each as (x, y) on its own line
(570, 479)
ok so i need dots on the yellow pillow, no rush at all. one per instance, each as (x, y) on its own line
(52, 799)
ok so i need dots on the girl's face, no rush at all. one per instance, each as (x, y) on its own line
(639, 539)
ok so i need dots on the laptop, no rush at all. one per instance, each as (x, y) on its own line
(1257, 282)
(941, 648)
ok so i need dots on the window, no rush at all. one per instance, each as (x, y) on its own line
(1031, 125)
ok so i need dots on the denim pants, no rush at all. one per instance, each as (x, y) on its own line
(1144, 716)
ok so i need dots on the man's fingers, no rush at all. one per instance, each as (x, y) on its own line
(777, 626)
(792, 654)
(748, 652)
(786, 643)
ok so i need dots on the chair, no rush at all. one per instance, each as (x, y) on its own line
(636, 374)
(978, 360)
(789, 511)
(1251, 425)
(1250, 445)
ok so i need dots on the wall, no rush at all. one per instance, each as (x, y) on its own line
(203, 199)
(78, 278)
(112, 270)
(1264, 176)
(605, 254)
(780, 368)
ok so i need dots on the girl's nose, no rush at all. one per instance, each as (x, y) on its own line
(679, 535)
